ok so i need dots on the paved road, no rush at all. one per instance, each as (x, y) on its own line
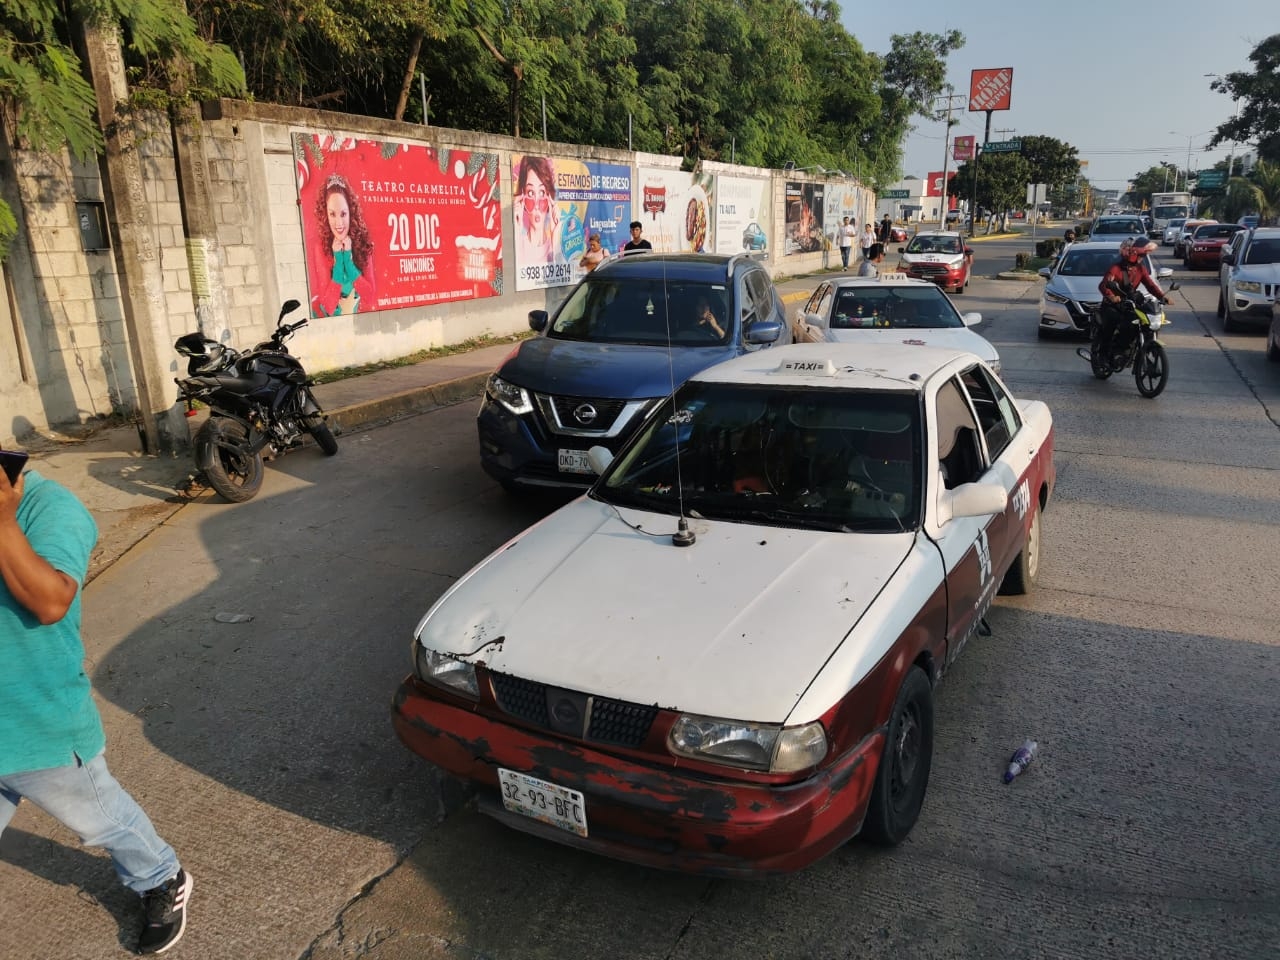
(1145, 665)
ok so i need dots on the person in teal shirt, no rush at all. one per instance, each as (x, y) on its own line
(51, 738)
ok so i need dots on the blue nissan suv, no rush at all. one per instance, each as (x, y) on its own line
(632, 331)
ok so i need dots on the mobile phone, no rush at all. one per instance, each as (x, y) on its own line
(14, 461)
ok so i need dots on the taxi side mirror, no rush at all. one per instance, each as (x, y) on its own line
(599, 459)
(976, 500)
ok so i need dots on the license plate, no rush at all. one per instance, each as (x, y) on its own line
(541, 800)
(573, 461)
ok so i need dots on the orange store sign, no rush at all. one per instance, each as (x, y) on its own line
(991, 89)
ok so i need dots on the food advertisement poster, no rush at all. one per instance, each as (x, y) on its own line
(556, 205)
(390, 225)
(805, 211)
(842, 200)
(675, 209)
(743, 214)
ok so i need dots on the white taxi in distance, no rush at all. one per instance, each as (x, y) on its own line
(722, 658)
(891, 308)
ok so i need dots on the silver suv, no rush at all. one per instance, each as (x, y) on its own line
(1249, 277)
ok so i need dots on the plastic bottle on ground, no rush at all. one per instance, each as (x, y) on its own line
(1020, 760)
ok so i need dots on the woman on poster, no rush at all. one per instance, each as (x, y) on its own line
(345, 278)
(537, 220)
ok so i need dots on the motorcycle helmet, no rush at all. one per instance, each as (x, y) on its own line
(206, 355)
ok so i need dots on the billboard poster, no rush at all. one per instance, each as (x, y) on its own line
(390, 225)
(556, 205)
(804, 218)
(841, 200)
(964, 148)
(744, 214)
(990, 89)
(675, 208)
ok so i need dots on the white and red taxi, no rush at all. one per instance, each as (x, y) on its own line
(721, 659)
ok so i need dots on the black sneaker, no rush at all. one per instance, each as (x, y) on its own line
(165, 911)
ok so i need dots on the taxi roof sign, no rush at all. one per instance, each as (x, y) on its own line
(808, 368)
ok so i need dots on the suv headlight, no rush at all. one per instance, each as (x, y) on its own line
(516, 399)
(1248, 286)
(753, 746)
(446, 671)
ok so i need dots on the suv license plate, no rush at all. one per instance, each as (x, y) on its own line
(543, 801)
(573, 461)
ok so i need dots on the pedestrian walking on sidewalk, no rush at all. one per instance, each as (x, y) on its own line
(51, 738)
(868, 239)
(847, 230)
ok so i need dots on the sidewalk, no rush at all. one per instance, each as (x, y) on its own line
(130, 494)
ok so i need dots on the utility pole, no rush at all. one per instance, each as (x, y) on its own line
(951, 97)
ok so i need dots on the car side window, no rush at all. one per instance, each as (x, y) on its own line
(822, 293)
(959, 456)
(997, 414)
(761, 294)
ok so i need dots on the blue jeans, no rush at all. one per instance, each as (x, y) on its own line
(87, 799)
(844, 255)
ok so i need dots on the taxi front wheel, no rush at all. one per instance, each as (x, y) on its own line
(900, 784)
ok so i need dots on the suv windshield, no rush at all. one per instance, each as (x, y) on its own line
(647, 310)
(843, 460)
(1263, 250)
(1119, 226)
(894, 307)
(930, 244)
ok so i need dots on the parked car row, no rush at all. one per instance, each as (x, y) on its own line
(726, 700)
(1248, 282)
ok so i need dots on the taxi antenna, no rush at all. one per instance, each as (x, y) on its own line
(683, 537)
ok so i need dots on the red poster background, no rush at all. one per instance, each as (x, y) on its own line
(964, 148)
(426, 223)
(933, 186)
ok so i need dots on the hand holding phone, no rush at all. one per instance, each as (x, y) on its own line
(13, 462)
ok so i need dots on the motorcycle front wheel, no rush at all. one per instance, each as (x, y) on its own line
(1151, 369)
(319, 430)
(235, 475)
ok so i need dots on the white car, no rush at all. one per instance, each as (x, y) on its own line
(1071, 292)
(889, 309)
(1171, 231)
(722, 658)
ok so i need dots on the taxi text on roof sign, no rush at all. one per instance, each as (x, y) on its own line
(809, 368)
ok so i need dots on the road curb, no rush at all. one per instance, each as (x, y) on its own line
(406, 403)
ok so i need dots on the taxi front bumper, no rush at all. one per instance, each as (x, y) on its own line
(654, 816)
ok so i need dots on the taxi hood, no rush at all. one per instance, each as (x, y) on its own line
(622, 371)
(735, 626)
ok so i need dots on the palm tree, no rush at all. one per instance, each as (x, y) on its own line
(1264, 183)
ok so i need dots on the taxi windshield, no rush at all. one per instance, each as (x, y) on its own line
(926, 243)
(896, 307)
(825, 459)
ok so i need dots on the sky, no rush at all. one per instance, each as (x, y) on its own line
(1080, 74)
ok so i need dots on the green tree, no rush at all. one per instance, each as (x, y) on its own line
(1157, 179)
(1258, 119)
(1052, 162)
(1001, 185)
(47, 102)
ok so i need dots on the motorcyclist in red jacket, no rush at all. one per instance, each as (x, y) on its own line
(1120, 281)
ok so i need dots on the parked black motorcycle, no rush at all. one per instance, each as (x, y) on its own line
(1133, 343)
(258, 400)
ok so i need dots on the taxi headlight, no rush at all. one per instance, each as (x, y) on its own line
(1248, 286)
(752, 746)
(516, 399)
(446, 671)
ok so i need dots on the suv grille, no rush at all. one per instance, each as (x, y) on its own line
(613, 722)
(606, 411)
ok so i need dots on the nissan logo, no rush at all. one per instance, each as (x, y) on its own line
(566, 713)
(585, 414)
